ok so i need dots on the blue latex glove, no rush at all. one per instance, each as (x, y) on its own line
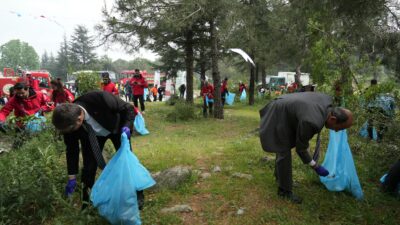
(320, 170)
(70, 187)
(127, 131)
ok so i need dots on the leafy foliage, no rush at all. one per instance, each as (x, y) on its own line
(17, 53)
(182, 112)
(88, 81)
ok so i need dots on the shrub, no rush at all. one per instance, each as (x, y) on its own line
(173, 100)
(31, 180)
(88, 81)
(182, 112)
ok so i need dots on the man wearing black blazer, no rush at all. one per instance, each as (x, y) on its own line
(91, 120)
(290, 121)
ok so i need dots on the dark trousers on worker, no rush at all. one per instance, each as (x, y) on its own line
(283, 170)
(141, 100)
(154, 98)
(89, 162)
(393, 178)
(209, 106)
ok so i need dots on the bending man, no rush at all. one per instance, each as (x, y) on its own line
(291, 121)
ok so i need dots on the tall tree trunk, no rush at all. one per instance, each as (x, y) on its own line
(257, 72)
(203, 64)
(397, 75)
(263, 77)
(297, 76)
(218, 108)
(251, 83)
(189, 65)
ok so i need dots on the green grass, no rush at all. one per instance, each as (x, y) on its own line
(233, 144)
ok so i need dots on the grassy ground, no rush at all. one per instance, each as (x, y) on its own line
(233, 144)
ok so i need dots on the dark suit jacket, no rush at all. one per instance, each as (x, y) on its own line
(292, 120)
(109, 111)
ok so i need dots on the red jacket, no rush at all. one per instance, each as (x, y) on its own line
(242, 87)
(207, 90)
(138, 85)
(26, 107)
(110, 87)
(58, 97)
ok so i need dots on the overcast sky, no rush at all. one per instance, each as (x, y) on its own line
(43, 23)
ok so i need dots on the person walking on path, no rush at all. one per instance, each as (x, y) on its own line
(154, 92)
(138, 84)
(160, 91)
(182, 90)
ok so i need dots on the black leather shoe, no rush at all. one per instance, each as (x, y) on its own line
(140, 199)
(290, 196)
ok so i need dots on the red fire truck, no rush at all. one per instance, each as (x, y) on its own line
(41, 77)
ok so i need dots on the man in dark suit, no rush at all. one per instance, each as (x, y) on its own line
(291, 121)
(92, 119)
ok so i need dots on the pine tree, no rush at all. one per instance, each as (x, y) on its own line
(81, 48)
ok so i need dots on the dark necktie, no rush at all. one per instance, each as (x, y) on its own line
(317, 147)
(94, 145)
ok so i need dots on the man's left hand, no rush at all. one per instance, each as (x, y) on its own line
(320, 170)
(127, 131)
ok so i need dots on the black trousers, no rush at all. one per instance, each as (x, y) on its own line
(141, 100)
(154, 98)
(393, 178)
(160, 96)
(89, 162)
(283, 170)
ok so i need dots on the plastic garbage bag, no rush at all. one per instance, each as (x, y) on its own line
(385, 102)
(37, 124)
(140, 125)
(230, 98)
(114, 193)
(209, 100)
(243, 96)
(364, 132)
(339, 162)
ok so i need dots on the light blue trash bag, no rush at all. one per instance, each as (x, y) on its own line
(364, 132)
(114, 193)
(339, 162)
(140, 125)
(243, 96)
(230, 98)
(37, 124)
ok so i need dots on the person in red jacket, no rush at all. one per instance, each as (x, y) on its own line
(107, 85)
(207, 92)
(25, 102)
(60, 94)
(138, 84)
(242, 87)
(224, 90)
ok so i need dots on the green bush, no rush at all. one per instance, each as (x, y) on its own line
(173, 100)
(31, 180)
(182, 112)
(88, 81)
